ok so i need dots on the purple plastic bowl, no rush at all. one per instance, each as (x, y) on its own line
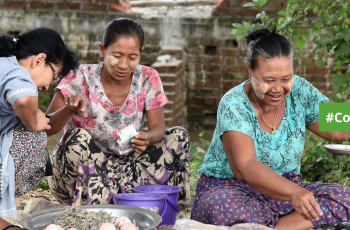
(152, 202)
(171, 194)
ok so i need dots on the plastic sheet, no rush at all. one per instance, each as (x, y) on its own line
(35, 205)
(188, 224)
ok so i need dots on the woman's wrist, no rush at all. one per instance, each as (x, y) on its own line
(11, 227)
(156, 134)
(3, 223)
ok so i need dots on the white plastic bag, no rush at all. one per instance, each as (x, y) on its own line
(188, 224)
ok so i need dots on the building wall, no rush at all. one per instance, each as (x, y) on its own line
(197, 34)
(215, 62)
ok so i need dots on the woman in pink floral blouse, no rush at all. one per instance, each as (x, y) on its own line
(98, 101)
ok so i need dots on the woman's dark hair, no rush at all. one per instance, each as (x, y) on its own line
(40, 40)
(122, 27)
(268, 45)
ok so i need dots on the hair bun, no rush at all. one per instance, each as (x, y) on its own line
(14, 41)
(258, 33)
(7, 44)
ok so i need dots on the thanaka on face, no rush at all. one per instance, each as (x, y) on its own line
(110, 62)
(259, 88)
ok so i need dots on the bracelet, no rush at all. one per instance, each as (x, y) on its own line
(11, 226)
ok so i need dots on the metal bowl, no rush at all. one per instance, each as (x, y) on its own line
(144, 218)
(338, 149)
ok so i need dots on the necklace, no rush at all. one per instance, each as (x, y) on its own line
(274, 125)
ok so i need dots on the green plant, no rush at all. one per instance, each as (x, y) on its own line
(196, 158)
(339, 176)
(45, 97)
(43, 184)
(320, 165)
(44, 100)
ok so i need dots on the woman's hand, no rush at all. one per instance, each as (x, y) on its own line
(305, 204)
(4, 224)
(140, 142)
(43, 121)
(76, 104)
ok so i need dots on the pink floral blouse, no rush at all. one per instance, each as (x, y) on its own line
(105, 119)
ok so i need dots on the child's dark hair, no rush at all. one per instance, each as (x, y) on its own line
(40, 40)
(122, 27)
(268, 45)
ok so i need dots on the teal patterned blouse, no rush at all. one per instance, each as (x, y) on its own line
(281, 151)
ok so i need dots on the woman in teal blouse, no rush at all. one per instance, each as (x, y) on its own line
(251, 173)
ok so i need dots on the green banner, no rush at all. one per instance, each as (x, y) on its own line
(334, 117)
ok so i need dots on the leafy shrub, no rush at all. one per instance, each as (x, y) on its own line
(45, 97)
(319, 165)
(43, 184)
(196, 158)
